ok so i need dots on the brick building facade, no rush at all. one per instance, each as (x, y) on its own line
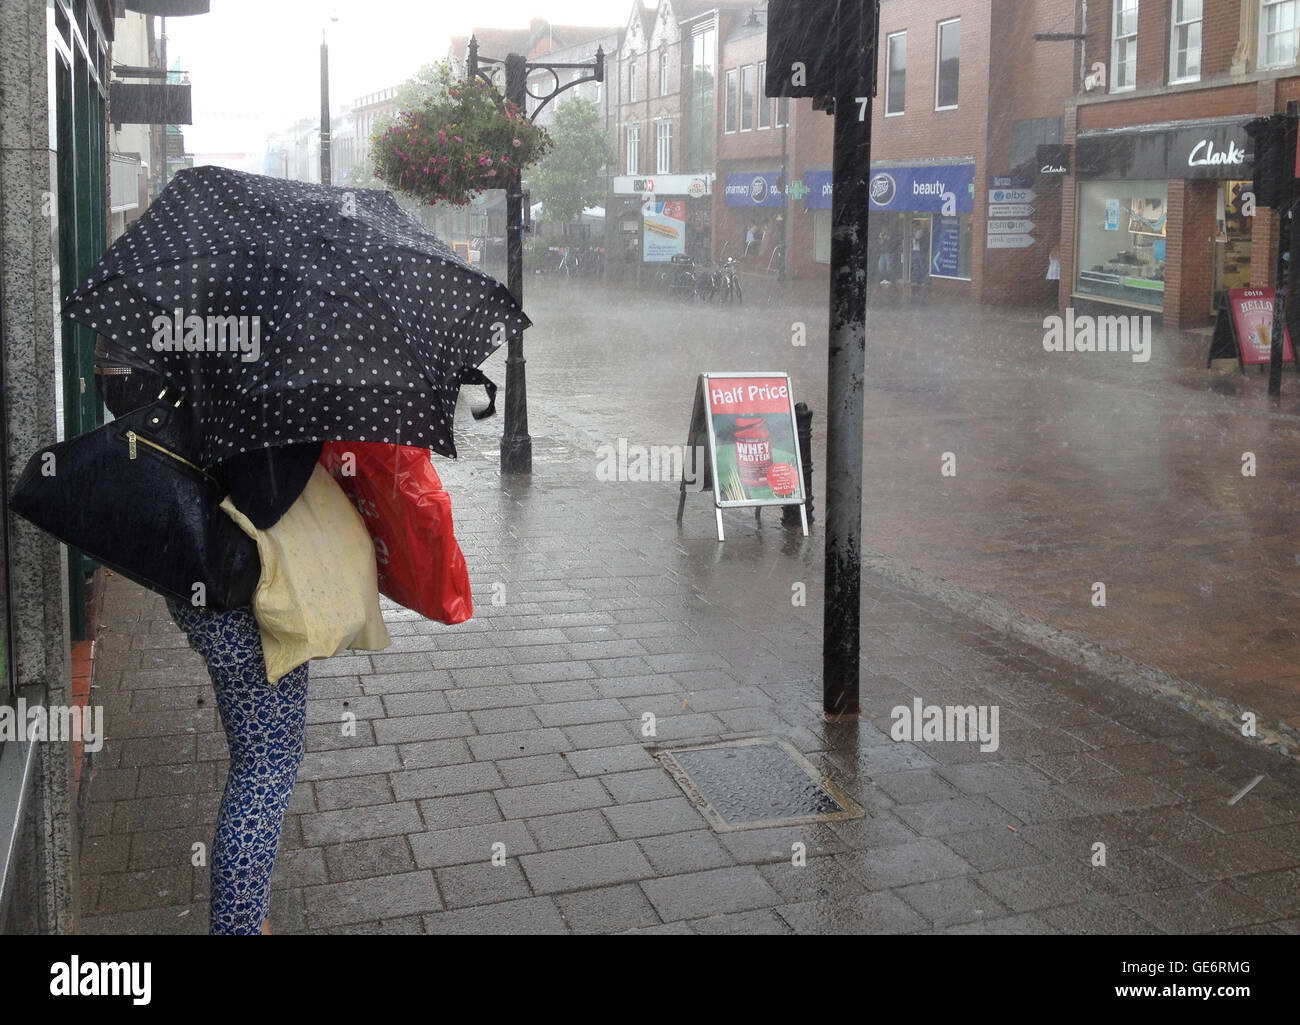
(1156, 204)
(965, 96)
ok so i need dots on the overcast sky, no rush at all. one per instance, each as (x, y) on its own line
(255, 64)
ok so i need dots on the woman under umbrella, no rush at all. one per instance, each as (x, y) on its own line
(289, 314)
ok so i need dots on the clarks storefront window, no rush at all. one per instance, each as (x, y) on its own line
(1121, 242)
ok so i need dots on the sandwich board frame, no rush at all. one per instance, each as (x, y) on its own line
(703, 429)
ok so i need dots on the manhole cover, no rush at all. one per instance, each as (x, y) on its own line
(749, 784)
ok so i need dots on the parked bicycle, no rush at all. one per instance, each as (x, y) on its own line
(726, 282)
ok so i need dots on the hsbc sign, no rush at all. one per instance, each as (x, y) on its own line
(693, 185)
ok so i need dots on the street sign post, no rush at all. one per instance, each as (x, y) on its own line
(1010, 241)
(827, 50)
(1012, 227)
(1012, 196)
(1010, 210)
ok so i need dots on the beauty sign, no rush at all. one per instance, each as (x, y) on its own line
(749, 424)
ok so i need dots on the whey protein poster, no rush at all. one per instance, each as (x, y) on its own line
(752, 431)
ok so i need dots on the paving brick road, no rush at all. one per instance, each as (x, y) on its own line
(523, 727)
(1072, 468)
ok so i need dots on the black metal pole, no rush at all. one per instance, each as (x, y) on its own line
(516, 445)
(803, 418)
(324, 110)
(1284, 239)
(785, 196)
(850, 206)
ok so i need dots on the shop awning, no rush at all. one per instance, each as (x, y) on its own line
(169, 8)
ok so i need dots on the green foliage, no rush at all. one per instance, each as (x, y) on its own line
(568, 179)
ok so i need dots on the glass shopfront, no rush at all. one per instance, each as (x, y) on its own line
(1120, 242)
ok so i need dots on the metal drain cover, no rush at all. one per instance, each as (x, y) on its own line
(751, 784)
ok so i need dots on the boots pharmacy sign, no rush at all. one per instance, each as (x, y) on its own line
(748, 423)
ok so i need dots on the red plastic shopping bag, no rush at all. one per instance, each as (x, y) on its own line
(408, 514)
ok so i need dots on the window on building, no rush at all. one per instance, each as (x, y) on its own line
(733, 101)
(631, 81)
(633, 149)
(1120, 242)
(1030, 133)
(1123, 45)
(946, 67)
(1279, 32)
(1185, 45)
(782, 112)
(664, 147)
(896, 75)
(747, 98)
(700, 123)
(764, 104)
(663, 71)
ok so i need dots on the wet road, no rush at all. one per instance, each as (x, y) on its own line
(1071, 468)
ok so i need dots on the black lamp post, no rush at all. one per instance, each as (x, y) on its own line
(516, 445)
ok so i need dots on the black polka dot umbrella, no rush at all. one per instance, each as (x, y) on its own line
(289, 312)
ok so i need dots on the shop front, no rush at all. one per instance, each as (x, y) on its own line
(671, 215)
(920, 220)
(756, 207)
(1162, 217)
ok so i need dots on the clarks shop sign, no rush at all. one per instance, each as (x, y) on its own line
(1201, 149)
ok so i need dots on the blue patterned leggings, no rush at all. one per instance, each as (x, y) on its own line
(265, 725)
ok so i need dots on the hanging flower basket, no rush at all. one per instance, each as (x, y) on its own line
(456, 144)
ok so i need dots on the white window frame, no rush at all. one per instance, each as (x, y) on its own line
(747, 108)
(663, 154)
(781, 115)
(764, 104)
(1264, 7)
(663, 72)
(731, 113)
(1174, 51)
(938, 60)
(1118, 8)
(889, 62)
(633, 150)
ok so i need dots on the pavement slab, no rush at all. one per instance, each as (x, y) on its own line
(501, 779)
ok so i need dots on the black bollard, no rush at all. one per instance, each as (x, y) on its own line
(803, 421)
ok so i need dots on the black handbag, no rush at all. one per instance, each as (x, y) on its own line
(131, 495)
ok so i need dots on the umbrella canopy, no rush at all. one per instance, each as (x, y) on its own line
(291, 312)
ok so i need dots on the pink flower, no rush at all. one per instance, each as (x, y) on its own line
(517, 143)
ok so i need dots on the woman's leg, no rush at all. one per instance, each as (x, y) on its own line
(265, 725)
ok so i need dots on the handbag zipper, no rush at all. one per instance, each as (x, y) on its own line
(132, 439)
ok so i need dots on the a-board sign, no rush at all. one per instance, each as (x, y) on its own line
(747, 421)
(1244, 329)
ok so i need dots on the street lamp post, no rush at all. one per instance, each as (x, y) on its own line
(516, 445)
(324, 109)
(325, 127)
